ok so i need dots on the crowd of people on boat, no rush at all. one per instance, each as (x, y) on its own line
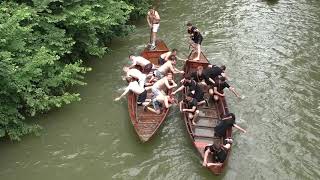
(156, 89)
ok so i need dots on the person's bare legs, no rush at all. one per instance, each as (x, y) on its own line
(195, 117)
(198, 52)
(205, 159)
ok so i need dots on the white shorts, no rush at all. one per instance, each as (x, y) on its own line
(155, 27)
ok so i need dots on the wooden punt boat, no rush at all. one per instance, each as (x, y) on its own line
(147, 123)
(202, 133)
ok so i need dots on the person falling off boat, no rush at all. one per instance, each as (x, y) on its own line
(153, 20)
(196, 38)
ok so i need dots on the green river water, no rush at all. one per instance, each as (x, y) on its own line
(272, 53)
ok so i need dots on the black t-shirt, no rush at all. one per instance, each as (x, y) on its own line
(213, 72)
(195, 34)
(193, 86)
(221, 85)
(219, 152)
(222, 127)
(198, 78)
(192, 103)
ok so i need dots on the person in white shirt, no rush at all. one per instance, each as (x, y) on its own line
(145, 64)
(135, 73)
(136, 89)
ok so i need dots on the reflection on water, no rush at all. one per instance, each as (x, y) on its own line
(271, 49)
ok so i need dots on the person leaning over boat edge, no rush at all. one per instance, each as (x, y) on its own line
(145, 64)
(169, 66)
(227, 121)
(165, 56)
(219, 86)
(153, 19)
(196, 37)
(219, 153)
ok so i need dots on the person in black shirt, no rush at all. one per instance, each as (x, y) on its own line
(211, 73)
(198, 76)
(196, 37)
(219, 153)
(191, 107)
(193, 87)
(226, 122)
(219, 86)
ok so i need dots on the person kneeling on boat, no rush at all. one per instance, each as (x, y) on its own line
(219, 153)
(219, 86)
(167, 67)
(191, 107)
(136, 89)
(145, 64)
(226, 122)
(193, 87)
(158, 102)
(199, 76)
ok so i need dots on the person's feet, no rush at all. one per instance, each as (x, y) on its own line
(193, 122)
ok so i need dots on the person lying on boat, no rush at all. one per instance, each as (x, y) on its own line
(167, 67)
(219, 86)
(136, 89)
(219, 153)
(165, 56)
(153, 20)
(199, 76)
(135, 73)
(164, 83)
(193, 87)
(191, 107)
(161, 100)
(227, 121)
(145, 64)
(196, 37)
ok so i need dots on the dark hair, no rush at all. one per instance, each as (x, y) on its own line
(223, 67)
(189, 94)
(131, 55)
(222, 78)
(189, 24)
(187, 77)
(174, 49)
(172, 57)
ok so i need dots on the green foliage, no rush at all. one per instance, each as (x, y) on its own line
(42, 43)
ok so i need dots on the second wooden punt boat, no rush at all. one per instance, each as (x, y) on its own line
(202, 133)
(147, 123)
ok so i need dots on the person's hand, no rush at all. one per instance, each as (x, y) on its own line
(117, 99)
(173, 93)
(181, 72)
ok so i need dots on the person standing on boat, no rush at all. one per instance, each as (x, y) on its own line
(196, 37)
(167, 67)
(166, 56)
(219, 153)
(193, 87)
(153, 20)
(226, 122)
(191, 107)
(136, 89)
(219, 86)
(145, 64)
(135, 73)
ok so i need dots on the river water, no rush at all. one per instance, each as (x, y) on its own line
(271, 49)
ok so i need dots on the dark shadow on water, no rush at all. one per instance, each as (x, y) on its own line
(271, 2)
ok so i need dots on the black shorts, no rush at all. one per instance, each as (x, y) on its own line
(198, 39)
(147, 68)
(161, 61)
(142, 97)
(199, 97)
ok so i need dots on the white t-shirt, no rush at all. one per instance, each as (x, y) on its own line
(135, 87)
(136, 74)
(138, 60)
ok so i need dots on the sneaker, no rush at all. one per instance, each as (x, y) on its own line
(152, 47)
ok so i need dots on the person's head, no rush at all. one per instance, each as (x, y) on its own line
(169, 76)
(187, 78)
(171, 99)
(174, 51)
(222, 79)
(131, 56)
(189, 96)
(189, 25)
(172, 57)
(223, 67)
(200, 69)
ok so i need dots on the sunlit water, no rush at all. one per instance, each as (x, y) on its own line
(271, 49)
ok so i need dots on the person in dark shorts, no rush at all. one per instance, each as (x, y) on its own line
(191, 107)
(227, 121)
(194, 89)
(196, 37)
(219, 153)
(166, 56)
(219, 87)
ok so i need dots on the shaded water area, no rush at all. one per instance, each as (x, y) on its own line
(271, 49)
